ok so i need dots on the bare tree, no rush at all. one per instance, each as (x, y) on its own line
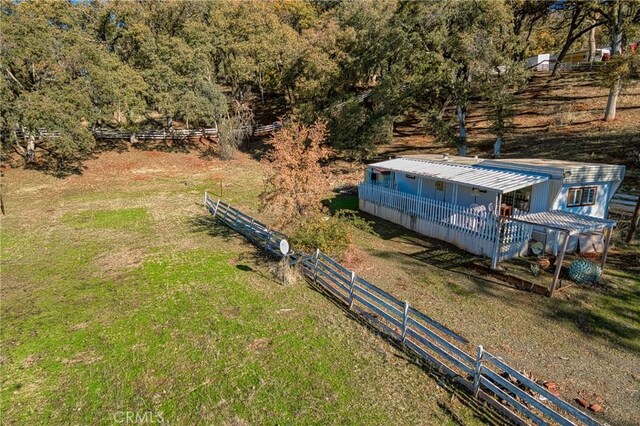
(616, 13)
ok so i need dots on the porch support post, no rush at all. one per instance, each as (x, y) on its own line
(556, 274)
(607, 241)
(454, 195)
(496, 243)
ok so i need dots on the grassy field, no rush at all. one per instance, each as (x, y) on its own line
(586, 339)
(118, 296)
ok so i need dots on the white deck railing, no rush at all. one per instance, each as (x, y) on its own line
(468, 221)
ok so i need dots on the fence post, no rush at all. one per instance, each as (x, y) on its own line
(315, 266)
(215, 211)
(477, 370)
(405, 321)
(352, 285)
(235, 221)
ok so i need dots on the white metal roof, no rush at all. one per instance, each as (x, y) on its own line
(568, 171)
(475, 176)
(573, 222)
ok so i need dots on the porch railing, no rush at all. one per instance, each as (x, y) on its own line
(478, 224)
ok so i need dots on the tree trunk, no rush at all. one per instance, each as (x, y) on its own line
(260, 85)
(31, 149)
(616, 30)
(616, 49)
(567, 43)
(612, 101)
(560, 58)
(497, 146)
(462, 140)
(592, 44)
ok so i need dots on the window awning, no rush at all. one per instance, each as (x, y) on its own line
(572, 222)
(501, 181)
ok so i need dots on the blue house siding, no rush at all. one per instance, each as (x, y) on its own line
(407, 183)
(599, 209)
(466, 197)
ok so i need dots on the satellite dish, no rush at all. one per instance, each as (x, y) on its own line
(284, 247)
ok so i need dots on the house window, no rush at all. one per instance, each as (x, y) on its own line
(439, 185)
(410, 176)
(374, 177)
(583, 196)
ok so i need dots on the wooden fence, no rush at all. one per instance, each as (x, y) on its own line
(548, 64)
(484, 375)
(623, 204)
(164, 134)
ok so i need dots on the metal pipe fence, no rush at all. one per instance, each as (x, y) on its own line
(484, 375)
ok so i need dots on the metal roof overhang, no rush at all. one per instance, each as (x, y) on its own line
(572, 222)
(501, 181)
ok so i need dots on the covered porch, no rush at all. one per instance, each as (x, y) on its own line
(469, 186)
(562, 226)
(476, 231)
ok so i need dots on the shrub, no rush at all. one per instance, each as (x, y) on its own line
(233, 130)
(332, 235)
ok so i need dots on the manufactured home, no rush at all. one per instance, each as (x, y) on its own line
(495, 207)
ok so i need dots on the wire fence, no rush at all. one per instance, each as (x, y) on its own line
(484, 375)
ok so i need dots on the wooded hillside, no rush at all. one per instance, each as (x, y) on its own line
(361, 66)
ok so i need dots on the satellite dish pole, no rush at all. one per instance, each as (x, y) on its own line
(284, 249)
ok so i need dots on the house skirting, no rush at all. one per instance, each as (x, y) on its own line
(463, 240)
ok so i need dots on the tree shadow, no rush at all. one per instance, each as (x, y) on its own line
(342, 201)
(210, 226)
(616, 317)
(452, 384)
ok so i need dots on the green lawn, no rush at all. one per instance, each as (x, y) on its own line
(121, 299)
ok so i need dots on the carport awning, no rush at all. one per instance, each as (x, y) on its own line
(501, 181)
(572, 222)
